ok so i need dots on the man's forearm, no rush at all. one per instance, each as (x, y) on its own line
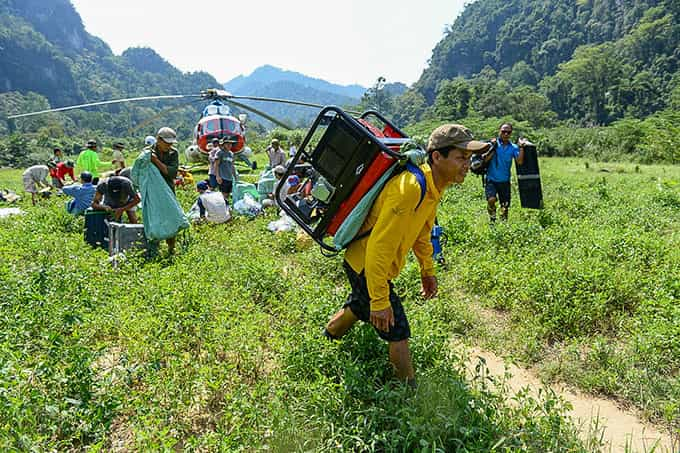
(134, 202)
(161, 167)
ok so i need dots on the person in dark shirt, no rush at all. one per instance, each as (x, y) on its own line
(165, 157)
(117, 195)
(224, 166)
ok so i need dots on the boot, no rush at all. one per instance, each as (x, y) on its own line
(492, 214)
(504, 213)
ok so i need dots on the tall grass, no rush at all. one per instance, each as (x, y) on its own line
(219, 348)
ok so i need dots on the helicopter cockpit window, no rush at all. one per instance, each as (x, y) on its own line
(231, 126)
(211, 126)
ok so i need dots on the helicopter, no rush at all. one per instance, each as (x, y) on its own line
(215, 122)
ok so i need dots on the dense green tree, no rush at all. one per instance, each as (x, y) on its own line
(527, 104)
(453, 99)
(520, 74)
(595, 60)
(378, 98)
(409, 107)
(592, 76)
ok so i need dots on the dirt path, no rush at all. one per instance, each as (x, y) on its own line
(622, 428)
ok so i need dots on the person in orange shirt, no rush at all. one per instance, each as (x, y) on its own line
(401, 219)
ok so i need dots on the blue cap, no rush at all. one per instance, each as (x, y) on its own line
(202, 185)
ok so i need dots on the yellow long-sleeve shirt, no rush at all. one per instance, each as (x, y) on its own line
(397, 228)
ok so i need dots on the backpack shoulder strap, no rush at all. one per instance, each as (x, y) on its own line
(420, 177)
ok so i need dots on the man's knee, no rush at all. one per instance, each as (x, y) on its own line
(491, 200)
(340, 323)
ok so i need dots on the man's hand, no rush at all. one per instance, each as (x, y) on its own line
(429, 288)
(382, 319)
(219, 180)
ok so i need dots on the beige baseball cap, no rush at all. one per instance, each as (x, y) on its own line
(167, 134)
(454, 135)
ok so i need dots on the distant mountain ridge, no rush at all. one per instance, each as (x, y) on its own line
(270, 81)
(267, 74)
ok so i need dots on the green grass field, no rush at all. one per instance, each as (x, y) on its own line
(219, 348)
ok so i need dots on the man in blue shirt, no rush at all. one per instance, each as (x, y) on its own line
(497, 185)
(82, 194)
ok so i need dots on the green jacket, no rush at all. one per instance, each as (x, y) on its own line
(88, 160)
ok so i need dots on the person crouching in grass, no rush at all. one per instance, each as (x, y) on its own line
(116, 195)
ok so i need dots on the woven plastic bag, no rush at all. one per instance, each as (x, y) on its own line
(161, 213)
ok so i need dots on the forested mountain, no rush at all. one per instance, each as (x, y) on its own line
(549, 65)
(46, 50)
(270, 81)
(267, 75)
(294, 115)
(590, 62)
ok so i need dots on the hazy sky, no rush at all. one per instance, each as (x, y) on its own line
(348, 41)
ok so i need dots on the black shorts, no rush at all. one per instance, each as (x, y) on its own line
(359, 303)
(501, 190)
(226, 186)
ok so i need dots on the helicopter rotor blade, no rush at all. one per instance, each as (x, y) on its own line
(225, 96)
(114, 101)
(261, 113)
(283, 101)
(159, 115)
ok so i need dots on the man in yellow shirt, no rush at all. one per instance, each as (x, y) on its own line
(398, 222)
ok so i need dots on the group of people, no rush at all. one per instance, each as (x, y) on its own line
(401, 218)
(115, 194)
(222, 176)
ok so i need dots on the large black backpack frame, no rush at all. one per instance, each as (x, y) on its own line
(338, 150)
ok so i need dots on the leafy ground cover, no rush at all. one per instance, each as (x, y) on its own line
(590, 285)
(219, 347)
